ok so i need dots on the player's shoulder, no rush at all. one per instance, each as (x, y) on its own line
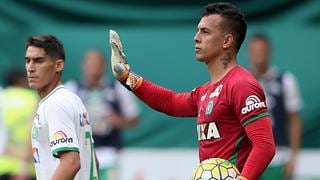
(60, 96)
(201, 88)
(242, 77)
(241, 73)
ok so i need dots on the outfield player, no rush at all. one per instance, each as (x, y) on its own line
(232, 116)
(284, 102)
(62, 141)
(112, 109)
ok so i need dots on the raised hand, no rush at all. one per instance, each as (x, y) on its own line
(119, 65)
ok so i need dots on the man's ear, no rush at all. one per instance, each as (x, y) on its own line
(59, 65)
(228, 41)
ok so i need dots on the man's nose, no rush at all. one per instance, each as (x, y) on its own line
(196, 37)
(30, 67)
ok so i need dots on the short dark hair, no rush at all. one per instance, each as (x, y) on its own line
(51, 45)
(233, 20)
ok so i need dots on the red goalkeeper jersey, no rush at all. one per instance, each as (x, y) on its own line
(223, 109)
(232, 118)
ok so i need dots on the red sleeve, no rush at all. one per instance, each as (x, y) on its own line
(248, 100)
(249, 103)
(263, 148)
(166, 101)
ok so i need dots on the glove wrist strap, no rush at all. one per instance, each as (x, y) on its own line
(124, 77)
(132, 82)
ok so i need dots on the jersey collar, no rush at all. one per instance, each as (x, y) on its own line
(53, 91)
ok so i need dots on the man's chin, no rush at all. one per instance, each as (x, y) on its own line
(200, 59)
(33, 86)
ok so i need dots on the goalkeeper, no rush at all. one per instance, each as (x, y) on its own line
(232, 116)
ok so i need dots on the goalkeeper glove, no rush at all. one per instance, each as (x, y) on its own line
(119, 65)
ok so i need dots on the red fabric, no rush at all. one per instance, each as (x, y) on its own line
(166, 101)
(263, 148)
(228, 118)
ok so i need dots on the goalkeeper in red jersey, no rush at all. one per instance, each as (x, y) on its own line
(232, 116)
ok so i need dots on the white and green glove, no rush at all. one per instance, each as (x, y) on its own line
(119, 65)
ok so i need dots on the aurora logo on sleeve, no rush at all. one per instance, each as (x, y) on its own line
(252, 103)
(60, 137)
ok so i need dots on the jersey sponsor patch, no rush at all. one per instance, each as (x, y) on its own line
(207, 131)
(60, 138)
(203, 97)
(84, 119)
(216, 92)
(35, 153)
(252, 103)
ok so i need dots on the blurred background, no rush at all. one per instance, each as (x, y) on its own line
(158, 40)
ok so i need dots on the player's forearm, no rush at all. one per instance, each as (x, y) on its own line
(258, 160)
(68, 167)
(65, 172)
(164, 100)
(263, 148)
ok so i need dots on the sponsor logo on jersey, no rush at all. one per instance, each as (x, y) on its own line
(252, 103)
(216, 92)
(203, 97)
(84, 119)
(35, 153)
(60, 137)
(208, 131)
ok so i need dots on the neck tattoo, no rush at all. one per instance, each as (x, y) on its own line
(226, 59)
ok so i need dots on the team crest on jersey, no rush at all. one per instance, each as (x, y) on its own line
(35, 128)
(35, 132)
(209, 107)
(35, 153)
(216, 92)
(208, 131)
(60, 138)
(252, 103)
(84, 119)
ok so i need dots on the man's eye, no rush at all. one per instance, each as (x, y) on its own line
(39, 60)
